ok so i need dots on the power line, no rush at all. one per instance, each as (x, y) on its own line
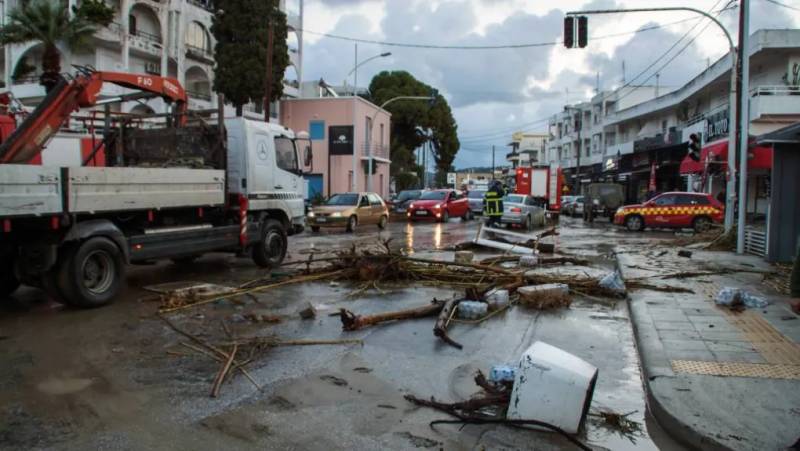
(776, 2)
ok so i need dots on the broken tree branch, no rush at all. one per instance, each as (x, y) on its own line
(226, 367)
(440, 329)
(351, 321)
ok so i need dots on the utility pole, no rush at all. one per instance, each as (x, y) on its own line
(492, 161)
(744, 118)
(355, 75)
(268, 81)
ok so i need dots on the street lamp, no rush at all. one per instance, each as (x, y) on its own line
(355, 68)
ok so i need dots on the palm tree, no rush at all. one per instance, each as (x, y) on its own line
(49, 23)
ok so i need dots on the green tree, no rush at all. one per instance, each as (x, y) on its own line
(410, 117)
(241, 29)
(50, 23)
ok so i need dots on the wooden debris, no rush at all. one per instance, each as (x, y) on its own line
(545, 297)
(223, 372)
(440, 328)
(309, 312)
(351, 321)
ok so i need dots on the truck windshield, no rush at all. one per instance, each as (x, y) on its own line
(343, 199)
(433, 195)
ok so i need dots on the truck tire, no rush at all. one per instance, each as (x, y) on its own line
(270, 251)
(91, 273)
(8, 280)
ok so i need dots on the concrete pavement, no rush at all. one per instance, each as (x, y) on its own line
(715, 379)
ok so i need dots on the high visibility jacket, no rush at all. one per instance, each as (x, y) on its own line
(493, 203)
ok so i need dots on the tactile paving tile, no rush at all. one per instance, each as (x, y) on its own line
(775, 347)
(737, 369)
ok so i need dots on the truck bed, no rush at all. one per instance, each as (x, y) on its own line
(40, 190)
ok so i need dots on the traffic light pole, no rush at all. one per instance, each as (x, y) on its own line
(730, 195)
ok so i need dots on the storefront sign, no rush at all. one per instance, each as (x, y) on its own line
(340, 140)
(716, 125)
(611, 164)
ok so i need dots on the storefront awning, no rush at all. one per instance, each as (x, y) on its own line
(760, 157)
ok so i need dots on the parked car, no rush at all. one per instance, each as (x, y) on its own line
(675, 209)
(403, 200)
(522, 210)
(475, 199)
(441, 205)
(602, 199)
(575, 207)
(349, 210)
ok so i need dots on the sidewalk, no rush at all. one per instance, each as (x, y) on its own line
(715, 379)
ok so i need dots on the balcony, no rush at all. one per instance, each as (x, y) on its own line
(111, 33)
(200, 95)
(767, 102)
(376, 150)
(199, 53)
(622, 148)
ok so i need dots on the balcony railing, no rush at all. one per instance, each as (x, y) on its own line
(376, 150)
(199, 52)
(201, 95)
(775, 91)
(146, 36)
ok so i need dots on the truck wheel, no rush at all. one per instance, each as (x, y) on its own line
(382, 222)
(270, 251)
(314, 229)
(91, 273)
(634, 223)
(352, 222)
(8, 280)
(701, 224)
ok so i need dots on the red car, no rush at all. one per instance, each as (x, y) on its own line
(441, 205)
(677, 209)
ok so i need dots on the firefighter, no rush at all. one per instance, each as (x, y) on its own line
(493, 203)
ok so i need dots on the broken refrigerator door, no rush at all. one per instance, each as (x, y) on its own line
(553, 386)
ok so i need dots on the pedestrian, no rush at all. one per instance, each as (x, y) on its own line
(794, 283)
(493, 203)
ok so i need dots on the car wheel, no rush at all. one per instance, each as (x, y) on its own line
(467, 216)
(634, 223)
(315, 229)
(91, 273)
(527, 224)
(382, 222)
(352, 222)
(701, 224)
(270, 251)
(445, 216)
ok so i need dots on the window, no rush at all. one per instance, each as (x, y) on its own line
(665, 200)
(285, 155)
(433, 195)
(381, 139)
(690, 199)
(196, 37)
(364, 202)
(316, 130)
(368, 131)
(374, 200)
(131, 24)
(343, 199)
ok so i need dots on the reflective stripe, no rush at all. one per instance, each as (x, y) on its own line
(678, 210)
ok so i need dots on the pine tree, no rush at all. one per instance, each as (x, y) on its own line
(241, 29)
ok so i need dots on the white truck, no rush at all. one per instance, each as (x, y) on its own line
(175, 192)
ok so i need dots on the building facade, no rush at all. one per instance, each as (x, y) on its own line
(637, 136)
(527, 149)
(345, 132)
(159, 37)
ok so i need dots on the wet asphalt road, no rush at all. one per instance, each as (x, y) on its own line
(116, 377)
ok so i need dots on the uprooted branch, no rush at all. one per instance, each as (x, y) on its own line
(440, 329)
(351, 321)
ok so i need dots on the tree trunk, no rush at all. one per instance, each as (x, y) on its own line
(51, 67)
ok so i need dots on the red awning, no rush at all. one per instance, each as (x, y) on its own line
(759, 157)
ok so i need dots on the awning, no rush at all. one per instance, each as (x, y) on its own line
(759, 157)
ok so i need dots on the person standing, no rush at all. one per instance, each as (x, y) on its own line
(493, 203)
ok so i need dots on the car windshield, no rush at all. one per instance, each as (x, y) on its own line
(514, 199)
(433, 195)
(343, 199)
(476, 194)
(408, 195)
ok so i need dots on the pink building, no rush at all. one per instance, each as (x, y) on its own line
(340, 129)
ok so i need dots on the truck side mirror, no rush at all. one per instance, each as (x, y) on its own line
(308, 155)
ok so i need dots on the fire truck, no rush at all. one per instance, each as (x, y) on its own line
(542, 183)
(174, 185)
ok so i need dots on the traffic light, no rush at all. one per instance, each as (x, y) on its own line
(583, 31)
(694, 146)
(569, 32)
(433, 96)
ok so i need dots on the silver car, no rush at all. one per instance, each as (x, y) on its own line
(475, 198)
(522, 210)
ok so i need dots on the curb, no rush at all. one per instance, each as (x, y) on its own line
(654, 365)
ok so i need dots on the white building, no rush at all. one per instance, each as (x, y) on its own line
(159, 37)
(527, 149)
(625, 135)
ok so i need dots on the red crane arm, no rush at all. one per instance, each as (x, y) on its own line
(29, 139)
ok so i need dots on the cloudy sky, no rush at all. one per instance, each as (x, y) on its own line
(496, 92)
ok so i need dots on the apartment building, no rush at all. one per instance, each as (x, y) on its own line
(158, 37)
(636, 136)
(527, 149)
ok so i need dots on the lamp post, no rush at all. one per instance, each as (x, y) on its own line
(357, 65)
(369, 135)
(731, 189)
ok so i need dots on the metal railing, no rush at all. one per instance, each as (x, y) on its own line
(775, 91)
(202, 95)
(376, 150)
(146, 36)
(193, 50)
